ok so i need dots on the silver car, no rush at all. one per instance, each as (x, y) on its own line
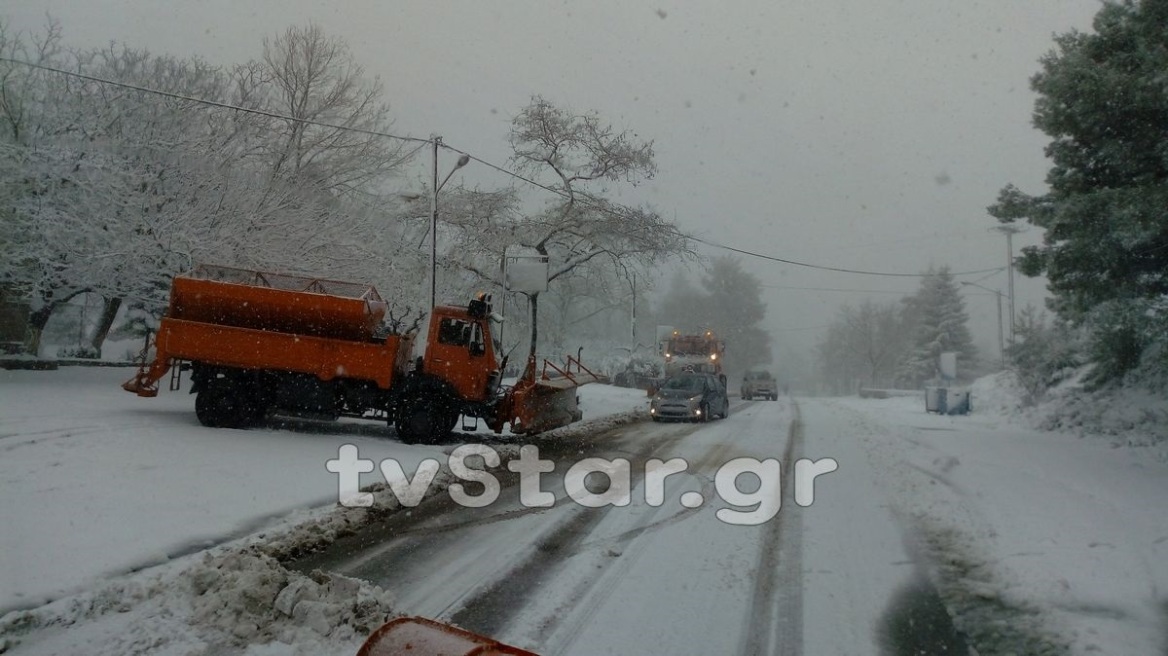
(760, 384)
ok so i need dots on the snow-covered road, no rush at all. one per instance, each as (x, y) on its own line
(934, 532)
(834, 577)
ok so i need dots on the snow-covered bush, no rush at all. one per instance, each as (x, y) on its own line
(79, 352)
(1043, 356)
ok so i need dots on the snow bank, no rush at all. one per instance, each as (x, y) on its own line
(1132, 415)
(1128, 416)
(998, 394)
(239, 601)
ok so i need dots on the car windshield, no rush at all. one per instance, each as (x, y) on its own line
(589, 327)
(688, 383)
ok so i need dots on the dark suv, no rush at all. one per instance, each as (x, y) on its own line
(759, 383)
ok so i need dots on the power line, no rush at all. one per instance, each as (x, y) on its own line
(386, 135)
(795, 330)
(585, 203)
(834, 289)
(837, 269)
(212, 103)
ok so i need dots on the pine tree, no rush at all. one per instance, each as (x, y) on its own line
(1105, 251)
(729, 302)
(940, 325)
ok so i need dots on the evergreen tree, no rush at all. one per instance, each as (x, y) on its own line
(937, 312)
(1105, 250)
(729, 302)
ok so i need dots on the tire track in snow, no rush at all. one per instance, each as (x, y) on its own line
(561, 628)
(490, 610)
(493, 609)
(775, 624)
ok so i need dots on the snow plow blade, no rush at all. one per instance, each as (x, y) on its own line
(548, 401)
(423, 637)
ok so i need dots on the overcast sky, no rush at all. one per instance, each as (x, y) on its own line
(865, 134)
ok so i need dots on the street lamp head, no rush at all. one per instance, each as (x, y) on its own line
(1009, 228)
(462, 161)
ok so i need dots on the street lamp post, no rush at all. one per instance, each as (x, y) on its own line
(1001, 338)
(462, 161)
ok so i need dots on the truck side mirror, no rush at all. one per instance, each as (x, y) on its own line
(477, 345)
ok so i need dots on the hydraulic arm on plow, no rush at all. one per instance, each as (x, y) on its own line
(260, 342)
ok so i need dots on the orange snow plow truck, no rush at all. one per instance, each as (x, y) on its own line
(260, 342)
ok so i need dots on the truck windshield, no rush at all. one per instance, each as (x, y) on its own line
(454, 332)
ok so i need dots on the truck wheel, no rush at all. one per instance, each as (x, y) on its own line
(424, 422)
(256, 411)
(223, 405)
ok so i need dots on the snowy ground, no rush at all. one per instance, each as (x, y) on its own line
(97, 482)
(1037, 542)
(1064, 538)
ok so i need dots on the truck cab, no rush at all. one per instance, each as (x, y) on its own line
(461, 351)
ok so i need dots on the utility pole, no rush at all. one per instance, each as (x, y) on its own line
(462, 161)
(435, 140)
(1001, 340)
(1010, 230)
(503, 301)
(634, 349)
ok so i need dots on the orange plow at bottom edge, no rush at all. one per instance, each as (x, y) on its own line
(419, 636)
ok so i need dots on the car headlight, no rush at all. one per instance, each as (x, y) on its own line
(695, 399)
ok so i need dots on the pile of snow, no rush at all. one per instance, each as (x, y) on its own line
(998, 394)
(252, 599)
(237, 601)
(292, 540)
(1130, 415)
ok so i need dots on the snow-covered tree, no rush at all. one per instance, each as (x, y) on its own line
(1105, 245)
(114, 191)
(862, 344)
(940, 325)
(735, 312)
(681, 306)
(728, 302)
(1043, 354)
(313, 79)
(578, 154)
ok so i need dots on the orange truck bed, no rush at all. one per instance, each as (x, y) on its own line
(277, 303)
(251, 320)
